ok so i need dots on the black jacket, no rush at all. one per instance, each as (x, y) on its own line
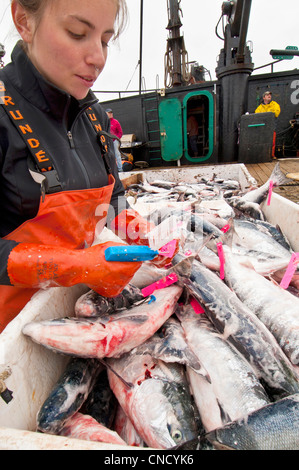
(65, 131)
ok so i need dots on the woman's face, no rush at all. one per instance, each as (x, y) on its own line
(69, 45)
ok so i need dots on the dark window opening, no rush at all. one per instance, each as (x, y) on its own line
(198, 126)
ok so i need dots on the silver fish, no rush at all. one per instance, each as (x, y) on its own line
(227, 184)
(81, 426)
(259, 194)
(250, 202)
(106, 336)
(255, 236)
(275, 232)
(277, 308)
(256, 247)
(159, 404)
(272, 427)
(243, 329)
(234, 390)
(147, 274)
(68, 394)
(195, 222)
(163, 184)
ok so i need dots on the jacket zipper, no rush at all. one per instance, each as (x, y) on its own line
(71, 140)
(73, 147)
(78, 159)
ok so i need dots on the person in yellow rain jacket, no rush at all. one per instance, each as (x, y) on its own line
(269, 106)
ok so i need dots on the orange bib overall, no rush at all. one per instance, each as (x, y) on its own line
(66, 219)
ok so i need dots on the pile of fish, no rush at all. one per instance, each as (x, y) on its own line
(204, 189)
(208, 362)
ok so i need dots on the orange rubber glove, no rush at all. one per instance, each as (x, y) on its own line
(131, 227)
(43, 266)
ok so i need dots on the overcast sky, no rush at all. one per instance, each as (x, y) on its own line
(273, 25)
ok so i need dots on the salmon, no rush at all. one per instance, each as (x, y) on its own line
(110, 335)
(81, 426)
(68, 394)
(233, 390)
(277, 308)
(159, 403)
(241, 327)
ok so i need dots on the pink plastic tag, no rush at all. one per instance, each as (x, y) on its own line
(168, 250)
(196, 307)
(285, 282)
(225, 228)
(161, 284)
(221, 258)
(188, 253)
(270, 193)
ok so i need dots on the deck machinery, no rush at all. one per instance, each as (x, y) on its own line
(228, 128)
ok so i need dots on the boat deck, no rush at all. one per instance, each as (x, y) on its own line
(262, 171)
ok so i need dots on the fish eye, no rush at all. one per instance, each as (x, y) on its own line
(176, 435)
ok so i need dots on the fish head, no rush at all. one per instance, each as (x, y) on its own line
(163, 410)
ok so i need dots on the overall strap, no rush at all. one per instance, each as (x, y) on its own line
(101, 137)
(47, 176)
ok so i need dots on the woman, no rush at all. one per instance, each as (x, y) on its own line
(58, 173)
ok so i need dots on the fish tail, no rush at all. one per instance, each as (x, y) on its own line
(278, 177)
(226, 238)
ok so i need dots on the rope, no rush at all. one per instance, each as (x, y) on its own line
(168, 66)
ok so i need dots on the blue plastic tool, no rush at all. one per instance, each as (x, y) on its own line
(130, 253)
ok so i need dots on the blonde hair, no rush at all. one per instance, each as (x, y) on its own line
(37, 7)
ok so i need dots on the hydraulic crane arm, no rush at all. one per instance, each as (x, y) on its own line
(238, 13)
(233, 69)
(233, 10)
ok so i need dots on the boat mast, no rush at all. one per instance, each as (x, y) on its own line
(140, 46)
(176, 57)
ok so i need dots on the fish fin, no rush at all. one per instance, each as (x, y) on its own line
(183, 266)
(172, 347)
(225, 418)
(171, 354)
(212, 438)
(198, 368)
(193, 444)
(226, 239)
(231, 235)
(247, 263)
(271, 279)
(278, 177)
(127, 384)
